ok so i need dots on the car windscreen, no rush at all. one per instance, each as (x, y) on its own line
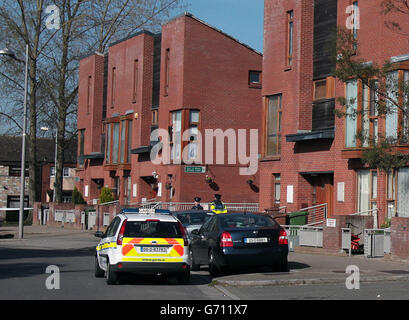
(152, 229)
(246, 221)
(191, 218)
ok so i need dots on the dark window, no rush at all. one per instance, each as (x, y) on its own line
(273, 122)
(290, 38)
(152, 229)
(193, 218)
(15, 171)
(246, 221)
(255, 78)
(113, 227)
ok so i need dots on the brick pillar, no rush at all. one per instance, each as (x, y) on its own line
(332, 236)
(400, 238)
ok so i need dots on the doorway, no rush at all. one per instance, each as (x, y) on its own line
(322, 189)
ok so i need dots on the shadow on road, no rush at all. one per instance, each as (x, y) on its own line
(18, 253)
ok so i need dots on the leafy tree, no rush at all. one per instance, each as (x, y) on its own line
(106, 195)
(77, 197)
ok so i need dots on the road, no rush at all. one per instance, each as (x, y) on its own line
(23, 276)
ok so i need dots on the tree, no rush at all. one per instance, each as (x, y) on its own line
(58, 37)
(106, 195)
(77, 197)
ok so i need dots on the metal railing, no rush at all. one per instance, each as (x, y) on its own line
(180, 206)
(316, 214)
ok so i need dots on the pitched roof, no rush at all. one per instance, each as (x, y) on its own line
(11, 150)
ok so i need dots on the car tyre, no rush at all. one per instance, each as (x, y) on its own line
(283, 266)
(111, 276)
(99, 273)
(194, 266)
(214, 270)
(184, 278)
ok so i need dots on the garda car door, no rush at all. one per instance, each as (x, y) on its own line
(203, 241)
(109, 239)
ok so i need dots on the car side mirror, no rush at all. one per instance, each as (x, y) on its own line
(99, 234)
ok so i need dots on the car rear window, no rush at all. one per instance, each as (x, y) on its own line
(193, 217)
(152, 229)
(246, 221)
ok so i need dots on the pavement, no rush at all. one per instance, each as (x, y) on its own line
(315, 267)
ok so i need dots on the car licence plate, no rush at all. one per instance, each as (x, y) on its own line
(255, 240)
(154, 249)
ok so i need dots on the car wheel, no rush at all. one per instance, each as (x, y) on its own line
(283, 266)
(214, 270)
(194, 266)
(184, 278)
(111, 276)
(99, 273)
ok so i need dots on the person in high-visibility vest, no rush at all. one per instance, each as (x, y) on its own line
(217, 206)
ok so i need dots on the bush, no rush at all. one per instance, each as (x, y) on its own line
(106, 195)
(77, 197)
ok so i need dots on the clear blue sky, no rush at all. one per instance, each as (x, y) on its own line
(241, 19)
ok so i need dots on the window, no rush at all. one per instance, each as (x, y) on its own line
(113, 87)
(194, 120)
(81, 138)
(273, 125)
(155, 117)
(398, 193)
(367, 191)
(255, 78)
(66, 172)
(176, 136)
(277, 188)
(167, 68)
(362, 110)
(119, 141)
(154, 126)
(89, 94)
(290, 38)
(324, 88)
(135, 81)
(351, 117)
(15, 171)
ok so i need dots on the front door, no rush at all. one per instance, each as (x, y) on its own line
(323, 190)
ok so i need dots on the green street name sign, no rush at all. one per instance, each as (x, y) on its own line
(195, 169)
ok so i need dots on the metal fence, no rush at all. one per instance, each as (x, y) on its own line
(377, 242)
(307, 236)
(179, 206)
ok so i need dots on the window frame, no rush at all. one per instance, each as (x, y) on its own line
(124, 150)
(279, 132)
(290, 40)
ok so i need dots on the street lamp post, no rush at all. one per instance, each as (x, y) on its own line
(11, 54)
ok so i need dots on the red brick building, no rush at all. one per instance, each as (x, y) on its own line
(191, 77)
(308, 155)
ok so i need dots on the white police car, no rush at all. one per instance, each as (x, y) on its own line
(145, 242)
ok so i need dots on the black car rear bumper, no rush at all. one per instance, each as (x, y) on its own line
(238, 257)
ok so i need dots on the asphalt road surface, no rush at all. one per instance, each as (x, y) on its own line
(24, 265)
